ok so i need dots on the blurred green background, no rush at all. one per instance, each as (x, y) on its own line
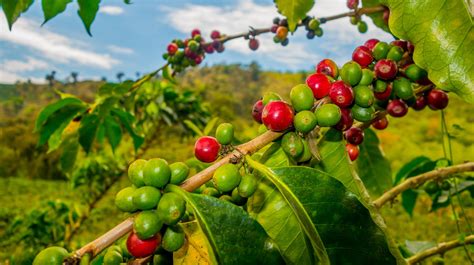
(32, 186)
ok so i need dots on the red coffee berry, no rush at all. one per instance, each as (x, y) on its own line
(386, 15)
(346, 121)
(371, 43)
(327, 67)
(363, 56)
(209, 48)
(206, 149)
(172, 48)
(195, 32)
(215, 34)
(198, 59)
(253, 44)
(341, 94)
(354, 135)
(352, 151)
(385, 69)
(257, 111)
(380, 124)
(397, 108)
(277, 116)
(382, 96)
(274, 28)
(437, 99)
(142, 248)
(400, 43)
(190, 54)
(352, 4)
(420, 103)
(410, 47)
(319, 84)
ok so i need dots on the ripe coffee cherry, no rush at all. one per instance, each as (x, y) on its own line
(146, 197)
(363, 114)
(226, 177)
(173, 239)
(124, 199)
(400, 43)
(341, 94)
(351, 73)
(319, 84)
(420, 103)
(382, 96)
(380, 124)
(179, 172)
(282, 32)
(270, 96)
(195, 32)
(363, 56)
(277, 116)
(172, 48)
(274, 28)
(51, 256)
(292, 144)
(142, 248)
(362, 26)
(352, 151)
(386, 69)
(253, 44)
(397, 108)
(395, 53)
(363, 96)
(437, 99)
(380, 50)
(135, 172)
(257, 111)
(301, 97)
(171, 208)
(367, 77)
(206, 149)
(215, 34)
(147, 224)
(414, 72)
(305, 121)
(156, 173)
(328, 115)
(352, 4)
(386, 15)
(328, 67)
(225, 133)
(371, 43)
(354, 135)
(346, 120)
(403, 88)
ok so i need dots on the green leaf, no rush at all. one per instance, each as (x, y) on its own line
(193, 127)
(113, 131)
(87, 12)
(340, 218)
(372, 166)
(443, 199)
(294, 10)
(70, 147)
(210, 126)
(88, 131)
(166, 72)
(230, 230)
(127, 121)
(335, 161)
(443, 35)
(274, 156)
(51, 8)
(58, 121)
(56, 138)
(51, 108)
(408, 167)
(377, 18)
(14, 8)
(193, 251)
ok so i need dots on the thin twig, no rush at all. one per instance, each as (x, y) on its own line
(414, 182)
(440, 249)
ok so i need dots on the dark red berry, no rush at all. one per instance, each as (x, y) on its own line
(190, 54)
(354, 135)
(253, 44)
(328, 67)
(363, 56)
(319, 84)
(209, 49)
(274, 28)
(352, 151)
(352, 4)
(195, 32)
(257, 111)
(172, 48)
(385, 69)
(437, 99)
(386, 15)
(346, 120)
(341, 94)
(382, 96)
(277, 116)
(142, 248)
(400, 43)
(420, 103)
(410, 47)
(206, 149)
(215, 34)
(371, 43)
(198, 59)
(380, 124)
(397, 108)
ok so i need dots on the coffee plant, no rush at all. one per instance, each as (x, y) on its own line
(309, 188)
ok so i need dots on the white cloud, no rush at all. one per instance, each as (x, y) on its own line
(7, 77)
(53, 46)
(111, 10)
(23, 66)
(119, 49)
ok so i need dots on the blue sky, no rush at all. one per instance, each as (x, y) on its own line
(132, 38)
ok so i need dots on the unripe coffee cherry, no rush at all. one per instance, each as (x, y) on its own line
(380, 50)
(277, 116)
(397, 108)
(403, 88)
(206, 149)
(341, 94)
(301, 97)
(386, 69)
(351, 73)
(305, 121)
(352, 151)
(257, 111)
(362, 26)
(437, 99)
(354, 135)
(328, 115)
(382, 96)
(363, 56)
(319, 84)
(328, 67)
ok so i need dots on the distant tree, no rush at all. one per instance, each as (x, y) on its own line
(104, 79)
(120, 75)
(74, 77)
(137, 74)
(255, 69)
(51, 78)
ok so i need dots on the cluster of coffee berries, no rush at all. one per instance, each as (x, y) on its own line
(280, 28)
(356, 19)
(313, 27)
(381, 78)
(155, 225)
